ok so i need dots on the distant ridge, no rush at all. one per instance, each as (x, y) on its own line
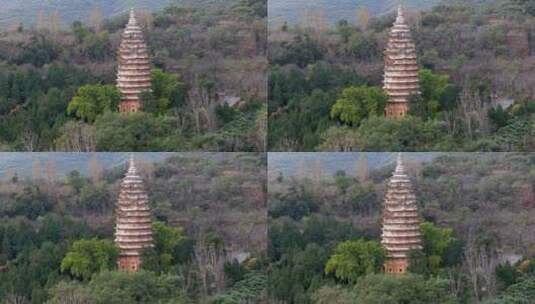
(26, 11)
(334, 11)
(288, 163)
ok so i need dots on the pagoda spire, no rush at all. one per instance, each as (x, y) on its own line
(401, 80)
(132, 165)
(132, 19)
(400, 19)
(133, 72)
(133, 224)
(401, 224)
(400, 168)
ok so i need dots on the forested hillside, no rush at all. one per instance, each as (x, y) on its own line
(208, 91)
(476, 60)
(210, 227)
(477, 214)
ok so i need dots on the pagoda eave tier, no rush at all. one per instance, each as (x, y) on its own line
(133, 85)
(401, 74)
(134, 74)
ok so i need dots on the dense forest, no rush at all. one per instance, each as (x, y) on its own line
(476, 60)
(210, 232)
(57, 83)
(477, 214)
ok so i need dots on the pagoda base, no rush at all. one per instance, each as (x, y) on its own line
(396, 266)
(129, 106)
(129, 263)
(396, 109)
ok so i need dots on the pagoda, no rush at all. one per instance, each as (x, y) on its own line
(401, 68)
(133, 73)
(401, 224)
(133, 226)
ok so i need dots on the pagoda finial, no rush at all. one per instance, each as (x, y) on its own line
(132, 19)
(400, 18)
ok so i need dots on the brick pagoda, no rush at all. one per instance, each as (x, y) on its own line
(401, 223)
(133, 226)
(401, 69)
(133, 73)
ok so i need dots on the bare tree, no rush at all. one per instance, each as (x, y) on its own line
(314, 20)
(481, 264)
(77, 137)
(95, 19)
(29, 140)
(95, 169)
(210, 261)
(70, 293)
(317, 171)
(54, 22)
(451, 119)
(40, 20)
(456, 281)
(201, 102)
(9, 174)
(362, 167)
(261, 130)
(363, 17)
(50, 171)
(11, 298)
(146, 19)
(473, 111)
(301, 171)
(37, 169)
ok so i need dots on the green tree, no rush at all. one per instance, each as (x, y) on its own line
(499, 117)
(87, 257)
(167, 242)
(329, 295)
(109, 287)
(407, 134)
(358, 103)
(353, 259)
(248, 290)
(507, 274)
(137, 132)
(93, 100)
(436, 241)
(409, 288)
(167, 92)
(302, 52)
(437, 94)
(97, 46)
(69, 292)
(522, 292)
(339, 139)
(301, 271)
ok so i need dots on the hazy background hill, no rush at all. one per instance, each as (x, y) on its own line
(23, 164)
(26, 11)
(291, 164)
(293, 11)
